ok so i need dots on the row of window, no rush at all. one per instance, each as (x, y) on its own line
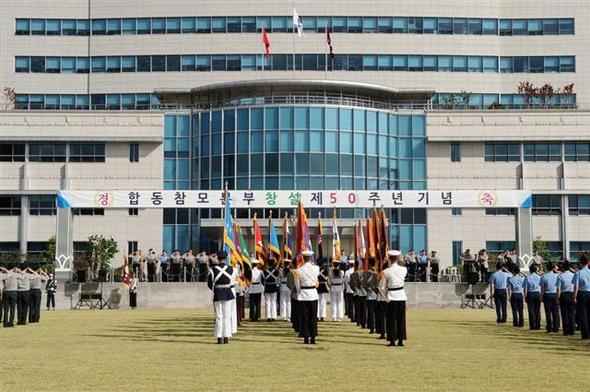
(52, 152)
(551, 204)
(298, 62)
(148, 101)
(284, 24)
(39, 205)
(498, 101)
(87, 102)
(537, 152)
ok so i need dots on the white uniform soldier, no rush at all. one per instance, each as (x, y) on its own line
(348, 291)
(234, 309)
(306, 282)
(285, 311)
(395, 277)
(255, 291)
(336, 279)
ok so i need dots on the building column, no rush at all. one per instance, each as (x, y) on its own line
(23, 225)
(524, 231)
(64, 239)
(565, 240)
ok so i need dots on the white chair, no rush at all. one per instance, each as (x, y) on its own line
(445, 275)
(455, 277)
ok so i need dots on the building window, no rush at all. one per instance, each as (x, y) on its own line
(133, 211)
(11, 248)
(133, 152)
(457, 250)
(500, 211)
(579, 204)
(94, 152)
(42, 205)
(12, 152)
(88, 211)
(131, 247)
(36, 249)
(577, 249)
(497, 247)
(577, 152)
(546, 205)
(456, 211)
(47, 153)
(455, 152)
(10, 205)
(502, 152)
(542, 152)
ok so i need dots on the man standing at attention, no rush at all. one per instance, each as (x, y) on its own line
(395, 277)
(582, 294)
(220, 281)
(565, 296)
(549, 295)
(306, 281)
(498, 286)
(256, 290)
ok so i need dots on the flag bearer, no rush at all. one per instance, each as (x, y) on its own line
(255, 292)
(348, 291)
(336, 279)
(270, 279)
(306, 281)
(220, 281)
(369, 285)
(285, 312)
(323, 293)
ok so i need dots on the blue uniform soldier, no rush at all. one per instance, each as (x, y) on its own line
(582, 294)
(516, 293)
(565, 295)
(220, 281)
(498, 286)
(532, 294)
(549, 295)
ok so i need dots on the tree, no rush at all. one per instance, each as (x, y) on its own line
(9, 97)
(102, 250)
(542, 249)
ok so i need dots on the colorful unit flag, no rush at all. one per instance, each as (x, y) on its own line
(229, 242)
(246, 276)
(287, 248)
(384, 239)
(266, 42)
(298, 23)
(335, 239)
(357, 244)
(273, 242)
(259, 244)
(126, 277)
(303, 240)
(320, 238)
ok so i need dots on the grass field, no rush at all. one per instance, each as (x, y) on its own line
(165, 350)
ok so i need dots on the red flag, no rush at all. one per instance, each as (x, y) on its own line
(302, 233)
(320, 238)
(329, 41)
(377, 239)
(266, 42)
(259, 244)
(384, 239)
(357, 243)
(126, 277)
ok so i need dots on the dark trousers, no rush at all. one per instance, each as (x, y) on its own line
(371, 304)
(583, 300)
(396, 321)
(434, 269)
(361, 313)
(165, 272)
(356, 304)
(132, 300)
(35, 306)
(240, 308)
(255, 307)
(568, 313)
(295, 315)
(349, 302)
(551, 312)
(50, 299)
(484, 274)
(517, 305)
(422, 272)
(533, 301)
(411, 276)
(380, 311)
(1, 310)
(23, 298)
(176, 272)
(309, 318)
(500, 300)
(9, 299)
(202, 272)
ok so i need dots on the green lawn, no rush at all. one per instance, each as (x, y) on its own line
(163, 350)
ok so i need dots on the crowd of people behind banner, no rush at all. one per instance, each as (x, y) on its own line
(20, 292)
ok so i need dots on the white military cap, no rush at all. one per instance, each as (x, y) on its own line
(350, 261)
(254, 261)
(394, 253)
(307, 253)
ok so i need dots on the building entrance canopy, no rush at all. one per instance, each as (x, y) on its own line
(290, 199)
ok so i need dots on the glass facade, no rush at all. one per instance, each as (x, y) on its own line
(296, 147)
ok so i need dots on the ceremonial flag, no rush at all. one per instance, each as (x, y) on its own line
(273, 242)
(126, 277)
(335, 239)
(266, 42)
(329, 41)
(370, 238)
(357, 244)
(286, 248)
(246, 277)
(377, 239)
(302, 233)
(320, 238)
(362, 243)
(229, 241)
(259, 243)
(384, 238)
(298, 23)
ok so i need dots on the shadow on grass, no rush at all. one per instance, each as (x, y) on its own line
(199, 330)
(539, 339)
